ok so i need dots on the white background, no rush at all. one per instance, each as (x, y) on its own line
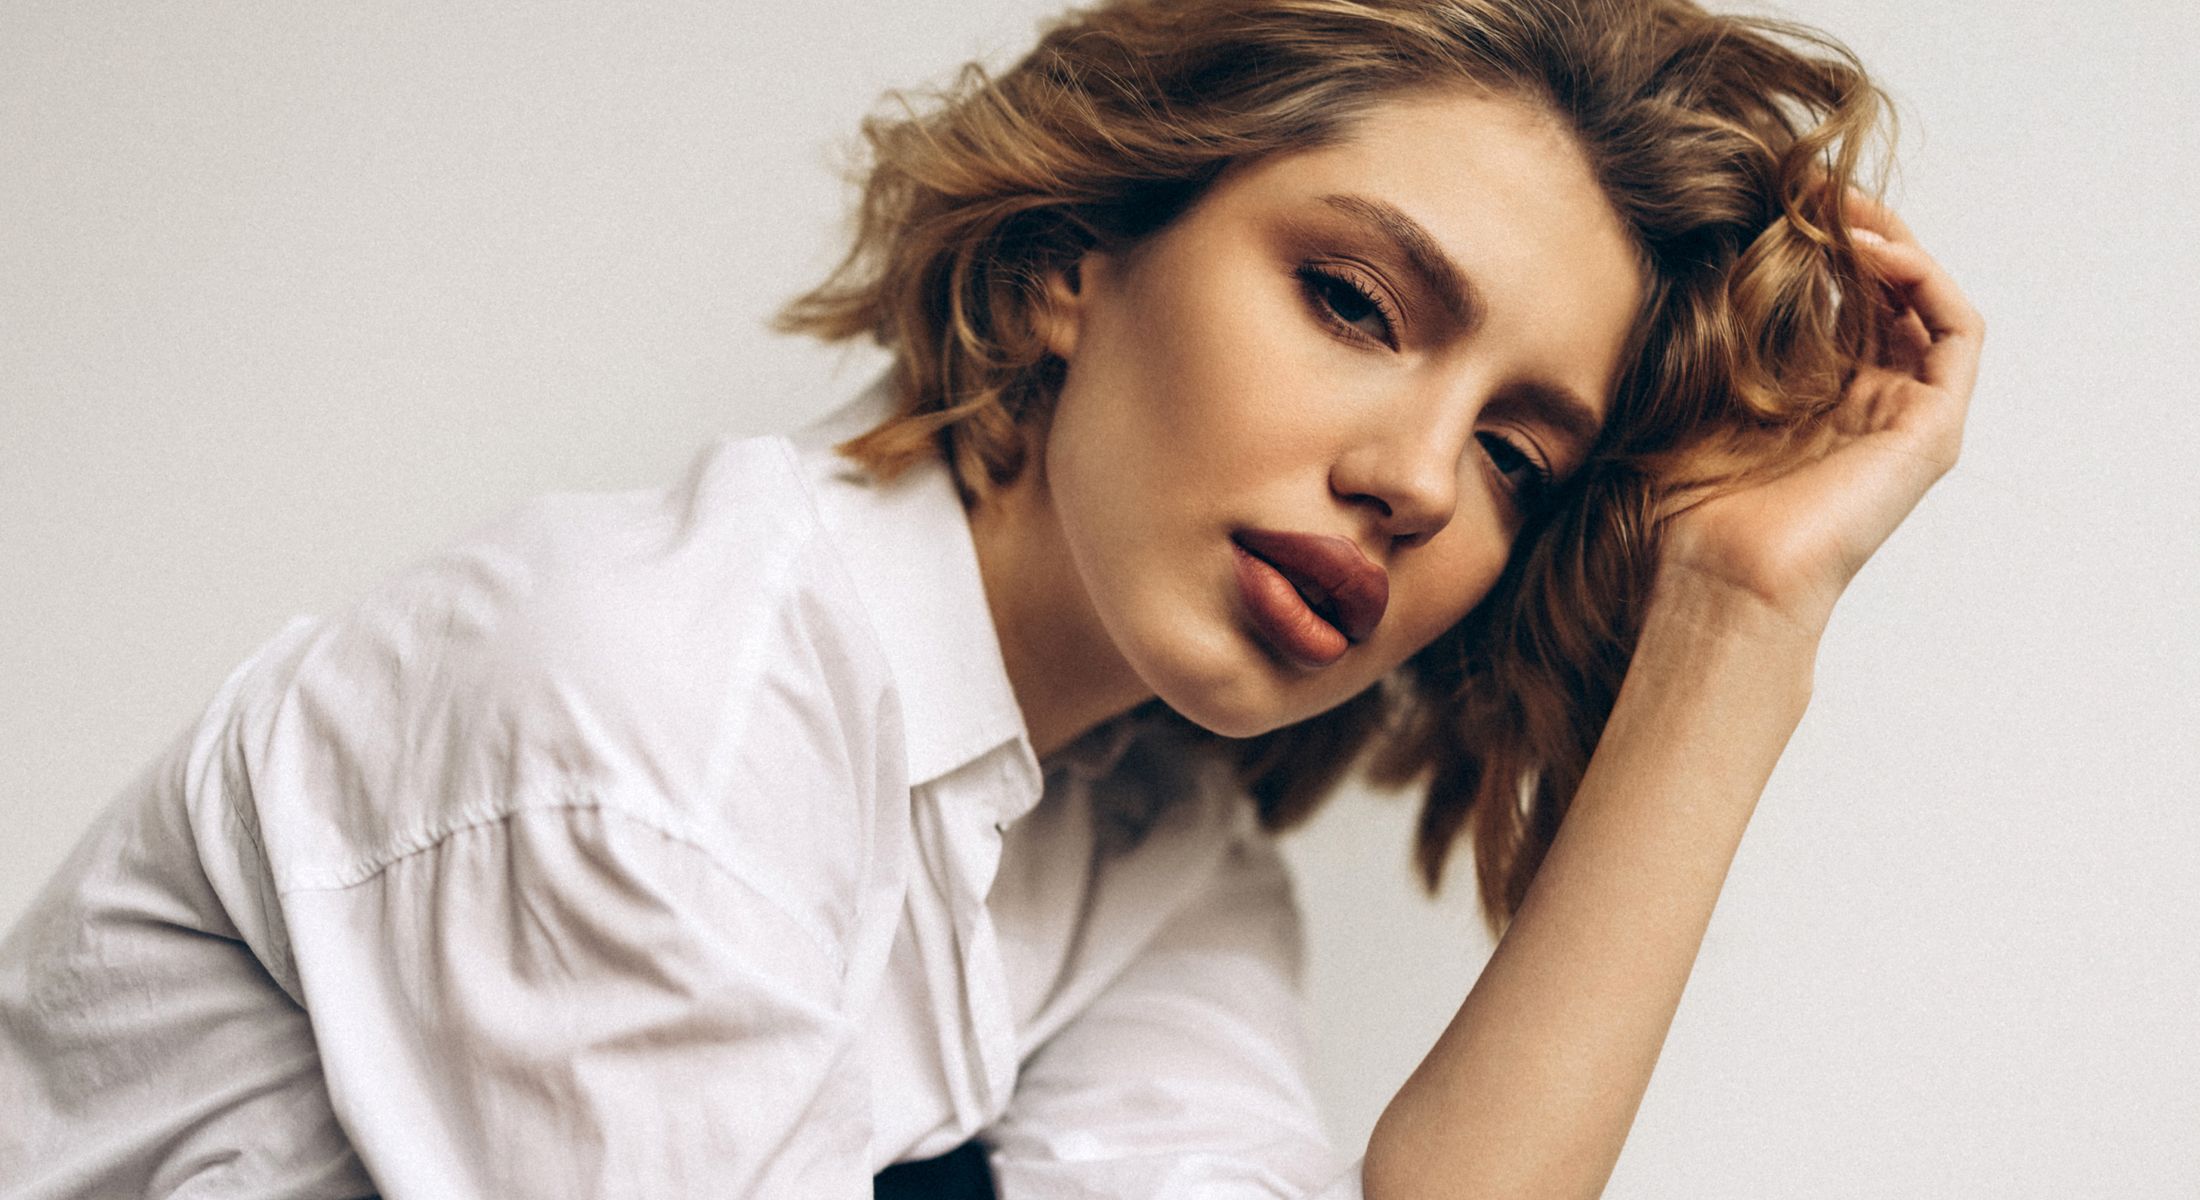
(290, 294)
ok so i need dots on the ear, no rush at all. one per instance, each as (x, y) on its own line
(1065, 302)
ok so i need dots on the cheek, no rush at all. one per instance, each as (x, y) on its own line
(1215, 341)
(1440, 590)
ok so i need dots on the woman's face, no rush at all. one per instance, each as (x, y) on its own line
(1301, 425)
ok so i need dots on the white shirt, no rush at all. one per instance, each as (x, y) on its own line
(663, 843)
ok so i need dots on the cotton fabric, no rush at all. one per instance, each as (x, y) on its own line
(675, 842)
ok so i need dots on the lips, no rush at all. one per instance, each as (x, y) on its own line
(1309, 595)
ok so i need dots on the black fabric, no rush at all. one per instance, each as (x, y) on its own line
(959, 1174)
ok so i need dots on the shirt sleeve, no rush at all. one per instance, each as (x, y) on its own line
(587, 860)
(1185, 1076)
(567, 1002)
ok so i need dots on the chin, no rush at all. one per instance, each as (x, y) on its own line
(1227, 722)
(1224, 693)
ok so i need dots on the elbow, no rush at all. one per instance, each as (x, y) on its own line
(1405, 1161)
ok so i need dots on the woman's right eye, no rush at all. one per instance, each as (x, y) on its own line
(1347, 304)
(1524, 474)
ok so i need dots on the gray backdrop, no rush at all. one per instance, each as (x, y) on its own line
(290, 294)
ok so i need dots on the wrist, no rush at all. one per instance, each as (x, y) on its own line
(1700, 626)
(1716, 601)
(1751, 579)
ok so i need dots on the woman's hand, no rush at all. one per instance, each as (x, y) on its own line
(1791, 543)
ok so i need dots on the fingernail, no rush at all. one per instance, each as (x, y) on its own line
(1867, 236)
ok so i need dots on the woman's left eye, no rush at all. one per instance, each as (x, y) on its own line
(1524, 475)
(1348, 305)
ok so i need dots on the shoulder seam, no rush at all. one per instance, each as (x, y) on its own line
(365, 873)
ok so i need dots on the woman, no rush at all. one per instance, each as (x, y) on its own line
(1506, 390)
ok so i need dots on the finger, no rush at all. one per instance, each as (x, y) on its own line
(1903, 342)
(1925, 286)
(1913, 338)
(1954, 328)
(1864, 212)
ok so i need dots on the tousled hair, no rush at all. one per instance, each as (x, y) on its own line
(1726, 145)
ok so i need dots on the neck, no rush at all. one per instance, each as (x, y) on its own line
(1066, 672)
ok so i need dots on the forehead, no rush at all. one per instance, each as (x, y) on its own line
(1505, 191)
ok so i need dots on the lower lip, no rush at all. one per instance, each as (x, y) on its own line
(1281, 618)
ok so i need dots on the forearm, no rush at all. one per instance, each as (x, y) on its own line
(1531, 1089)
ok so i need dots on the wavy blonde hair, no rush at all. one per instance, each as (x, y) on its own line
(1725, 144)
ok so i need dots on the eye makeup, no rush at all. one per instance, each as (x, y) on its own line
(1342, 300)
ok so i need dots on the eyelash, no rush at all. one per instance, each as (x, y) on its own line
(1321, 285)
(1528, 492)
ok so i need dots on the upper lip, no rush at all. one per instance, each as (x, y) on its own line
(1337, 580)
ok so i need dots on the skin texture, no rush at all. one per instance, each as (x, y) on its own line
(1225, 374)
(1198, 400)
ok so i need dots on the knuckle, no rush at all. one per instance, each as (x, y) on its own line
(1942, 454)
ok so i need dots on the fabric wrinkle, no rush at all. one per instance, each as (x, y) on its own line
(666, 842)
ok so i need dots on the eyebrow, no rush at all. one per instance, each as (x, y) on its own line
(1560, 407)
(1437, 271)
(1555, 406)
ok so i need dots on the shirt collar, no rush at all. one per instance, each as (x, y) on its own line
(907, 547)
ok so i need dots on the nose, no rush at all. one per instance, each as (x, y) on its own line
(1407, 475)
